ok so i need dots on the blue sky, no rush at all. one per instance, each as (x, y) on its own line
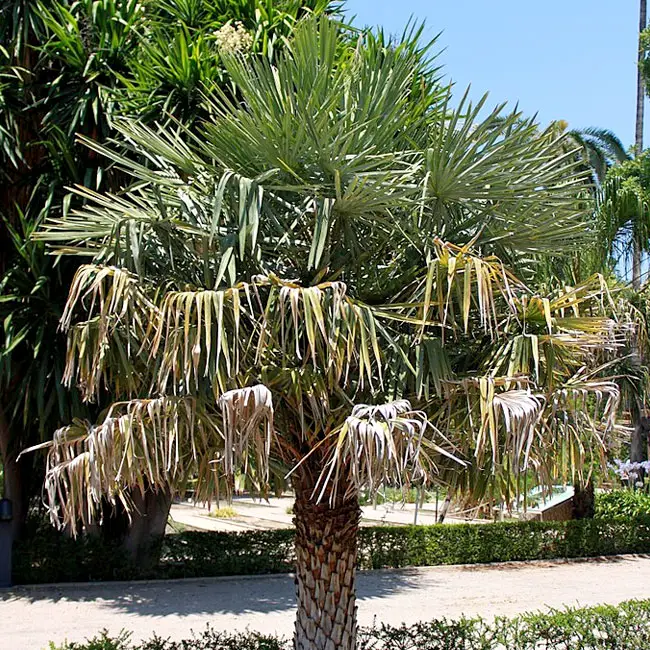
(563, 59)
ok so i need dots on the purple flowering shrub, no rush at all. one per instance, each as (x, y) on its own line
(631, 473)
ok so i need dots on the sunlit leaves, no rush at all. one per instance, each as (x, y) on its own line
(150, 442)
(333, 239)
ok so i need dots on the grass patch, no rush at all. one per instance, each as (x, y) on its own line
(226, 512)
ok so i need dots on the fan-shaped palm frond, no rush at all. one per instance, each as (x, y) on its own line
(141, 443)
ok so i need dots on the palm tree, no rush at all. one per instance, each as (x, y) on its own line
(600, 149)
(317, 278)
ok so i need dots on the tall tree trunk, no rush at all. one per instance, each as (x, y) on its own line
(636, 265)
(638, 138)
(640, 90)
(326, 556)
(637, 447)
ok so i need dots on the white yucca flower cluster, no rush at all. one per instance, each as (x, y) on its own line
(233, 38)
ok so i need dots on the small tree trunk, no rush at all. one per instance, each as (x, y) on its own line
(16, 477)
(144, 536)
(583, 501)
(444, 509)
(326, 557)
(639, 442)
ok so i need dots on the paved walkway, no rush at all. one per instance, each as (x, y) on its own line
(32, 616)
(254, 514)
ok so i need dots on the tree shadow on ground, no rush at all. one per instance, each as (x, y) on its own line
(261, 594)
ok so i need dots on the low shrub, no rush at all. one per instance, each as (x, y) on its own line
(605, 627)
(50, 556)
(224, 512)
(622, 504)
(383, 547)
(208, 640)
(54, 558)
(397, 495)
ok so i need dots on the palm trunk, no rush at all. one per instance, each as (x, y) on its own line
(637, 452)
(326, 556)
(638, 139)
(640, 90)
(636, 265)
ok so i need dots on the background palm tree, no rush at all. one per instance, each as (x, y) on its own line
(316, 275)
(600, 149)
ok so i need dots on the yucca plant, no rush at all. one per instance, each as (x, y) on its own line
(316, 278)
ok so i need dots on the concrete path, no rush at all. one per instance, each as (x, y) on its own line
(255, 514)
(32, 616)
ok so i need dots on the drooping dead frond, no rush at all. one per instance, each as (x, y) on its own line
(145, 443)
(248, 425)
(267, 321)
(519, 410)
(108, 292)
(199, 334)
(323, 325)
(499, 418)
(458, 283)
(588, 399)
(578, 427)
(378, 445)
(117, 316)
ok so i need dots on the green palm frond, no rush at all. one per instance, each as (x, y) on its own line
(501, 182)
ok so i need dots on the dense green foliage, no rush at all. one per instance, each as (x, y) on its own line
(51, 557)
(69, 68)
(622, 627)
(622, 504)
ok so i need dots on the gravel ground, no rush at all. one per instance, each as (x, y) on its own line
(32, 616)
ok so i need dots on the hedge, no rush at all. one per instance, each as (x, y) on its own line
(51, 557)
(622, 627)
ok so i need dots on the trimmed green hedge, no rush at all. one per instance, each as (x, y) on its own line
(50, 557)
(624, 627)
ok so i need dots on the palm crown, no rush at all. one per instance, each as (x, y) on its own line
(318, 278)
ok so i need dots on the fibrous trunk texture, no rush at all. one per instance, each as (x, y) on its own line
(326, 556)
